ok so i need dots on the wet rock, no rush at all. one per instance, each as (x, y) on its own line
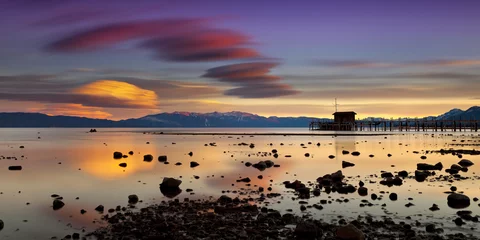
(387, 175)
(456, 200)
(420, 176)
(246, 180)
(100, 208)
(346, 164)
(331, 157)
(393, 196)
(465, 163)
(307, 154)
(117, 155)
(459, 222)
(308, 230)
(194, 164)
(147, 158)
(434, 207)
(355, 153)
(2, 225)
(162, 158)
(403, 174)
(190, 154)
(83, 211)
(430, 228)
(269, 163)
(133, 199)
(362, 191)
(345, 152)
(429, 167)
(76, 236)
(224, 199)
(57, 204)
(170, 183)
(15, 168)
(350, 232)
(122, 165)
(130, 153)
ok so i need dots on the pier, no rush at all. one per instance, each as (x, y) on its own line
(401, 125)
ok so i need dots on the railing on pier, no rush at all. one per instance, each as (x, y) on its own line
(398, 125)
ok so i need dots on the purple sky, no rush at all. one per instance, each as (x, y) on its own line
(383, 58)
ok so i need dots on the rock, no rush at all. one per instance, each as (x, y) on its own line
(162, 158)
(350, 232)
(355, 153)
(117, 155)
(307, 154)
(260, 165)
(453, 188)
(430, 228)
(345, 152)
(346, 164)
(170, 183)
(331, 156)
(429, 167)
(224, 199)
(269, 163)
(147, 158)
(457, 201)
(387, 175)
(100, 208)
(57, 204)
(76, 236)
(130, 153)
(122, 164)
(455, 167)
(465, 163)
(308, 230)
(459, 222)
(362, 191)
(246, 180)
(434, 207)
(15, 168)
(193, 164)
(2, 225)
(133, 199)
(420, 176)
(190, 154)
(393, 196)
(403, 174)
(83, 211)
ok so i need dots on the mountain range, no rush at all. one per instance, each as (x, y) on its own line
(187, 119)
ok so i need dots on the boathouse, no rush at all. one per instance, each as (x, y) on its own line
(344, 117)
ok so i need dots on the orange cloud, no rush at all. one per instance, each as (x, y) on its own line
(125, 92)
(73, 109)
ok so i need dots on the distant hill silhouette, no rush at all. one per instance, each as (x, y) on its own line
(186, 119)
(175, 119)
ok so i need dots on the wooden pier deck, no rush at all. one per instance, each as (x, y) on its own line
(398, 125)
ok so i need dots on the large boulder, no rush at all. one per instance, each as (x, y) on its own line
(170, 182)
(457, 201)
(465, 163)
(308, 230)
(350, 232)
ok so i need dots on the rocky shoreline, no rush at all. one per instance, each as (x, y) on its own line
(229, 218)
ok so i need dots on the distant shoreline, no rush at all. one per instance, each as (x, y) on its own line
(266, 134)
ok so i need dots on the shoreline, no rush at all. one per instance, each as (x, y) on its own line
(228, 218)
(267, 134)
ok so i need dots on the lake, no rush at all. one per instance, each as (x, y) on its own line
(75, 164)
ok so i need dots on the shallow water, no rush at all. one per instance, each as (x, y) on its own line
(89, 172)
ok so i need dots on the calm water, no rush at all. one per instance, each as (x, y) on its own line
(89, 172)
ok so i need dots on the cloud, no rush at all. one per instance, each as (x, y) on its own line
(252, 80)
(203, 45)
(112, 34)
(128, 94)
(72, 109)
(376, 64)
(262, 91)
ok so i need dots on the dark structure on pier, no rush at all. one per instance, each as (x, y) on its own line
(344, 117)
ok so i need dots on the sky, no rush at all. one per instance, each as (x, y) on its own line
(125, 59)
